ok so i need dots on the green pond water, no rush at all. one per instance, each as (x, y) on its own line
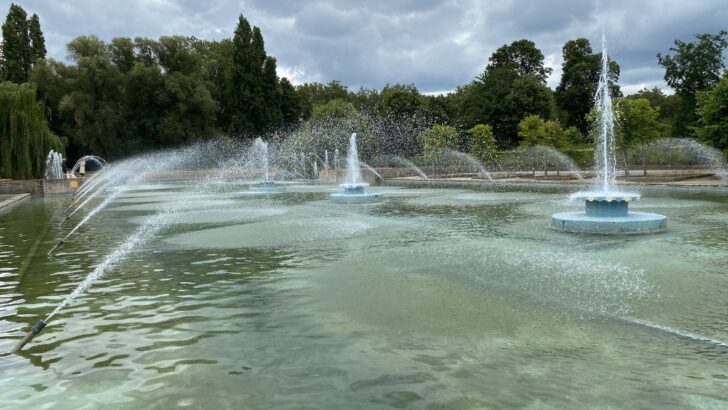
(436, 298)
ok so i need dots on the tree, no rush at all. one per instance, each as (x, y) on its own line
(575, 93)
(311, 94)
(93, 110)
(713, 115)
(692, 68)
(251, 90)
(400, 100)
(637, 122)
(482, 143)
(24, 135)
(439, 137)
(337, 108)
(17, 52)
(37, 41)
(512, 86)
(666, 105)
(534, 130)
(290, 104)
(522, 57)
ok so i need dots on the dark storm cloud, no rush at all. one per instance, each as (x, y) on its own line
(435, 44)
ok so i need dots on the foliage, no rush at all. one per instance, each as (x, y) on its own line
(337, 108)
(511, 88)
(401, 100)
(16, 47)
(312, 94)
(534, 130)
(252, 94)
(666, 105)
(439, 137)
(482, 143)
(37, 41)
(575, 93)
(713, 115)
(637, 121)
(521, 57)
(25, 138)
(691, 68)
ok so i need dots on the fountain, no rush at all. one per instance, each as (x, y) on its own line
(54, 166)
(354, 189)
(606, 208)
(261, 157)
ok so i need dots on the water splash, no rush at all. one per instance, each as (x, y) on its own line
(54, 166)
(604, 154)
(699, 153)
(556, 156)
(353, 168)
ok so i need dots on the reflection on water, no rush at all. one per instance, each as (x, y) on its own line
(431, 299)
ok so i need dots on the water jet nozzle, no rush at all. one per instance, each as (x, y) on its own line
(33, 332)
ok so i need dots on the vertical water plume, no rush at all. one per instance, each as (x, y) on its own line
(604, 154)
(353, 168)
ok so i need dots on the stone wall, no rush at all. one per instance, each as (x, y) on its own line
(39, 187)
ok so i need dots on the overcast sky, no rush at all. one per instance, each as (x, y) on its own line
(435, 44)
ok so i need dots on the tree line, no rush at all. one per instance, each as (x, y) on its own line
(131, 95)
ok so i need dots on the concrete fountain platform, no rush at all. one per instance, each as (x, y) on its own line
(355, 194)
(608, 213)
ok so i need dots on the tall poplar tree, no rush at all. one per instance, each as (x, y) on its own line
(37, 41)
(17, 53)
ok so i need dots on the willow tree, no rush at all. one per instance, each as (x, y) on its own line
(25, 138)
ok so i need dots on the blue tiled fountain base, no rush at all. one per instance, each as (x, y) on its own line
(633, 223)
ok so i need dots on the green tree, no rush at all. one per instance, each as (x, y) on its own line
(534, 130)
(290, 104)
(312, 94)
(522, 57)
(575, 93)
(37, 41)
(93, 110)
(691, 68)
(439, 137)
(400, 100)
(637, 122)
(16, 47)
(482, 143)
(249, 83)
(713, 115)
(512, 87)
(337, 108)
(25, 138)
(666, 105)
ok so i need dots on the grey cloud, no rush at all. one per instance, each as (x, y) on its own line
(435, 44)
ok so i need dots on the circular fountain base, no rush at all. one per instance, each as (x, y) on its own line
(355, 194)
(632, 223)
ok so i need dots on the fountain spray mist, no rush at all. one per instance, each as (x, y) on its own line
(604, 154)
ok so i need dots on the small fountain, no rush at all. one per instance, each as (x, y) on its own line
(354, 189)
(606, 209)
(54, 166)
(262, 157)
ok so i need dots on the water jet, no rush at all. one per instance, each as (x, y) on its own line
(354, 189)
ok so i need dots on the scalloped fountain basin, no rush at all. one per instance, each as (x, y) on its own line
(608, 213)
(355, 194)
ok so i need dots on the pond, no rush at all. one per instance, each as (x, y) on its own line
(436, 297)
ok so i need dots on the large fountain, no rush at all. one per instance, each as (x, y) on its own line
(354, 188)
(606, 207)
